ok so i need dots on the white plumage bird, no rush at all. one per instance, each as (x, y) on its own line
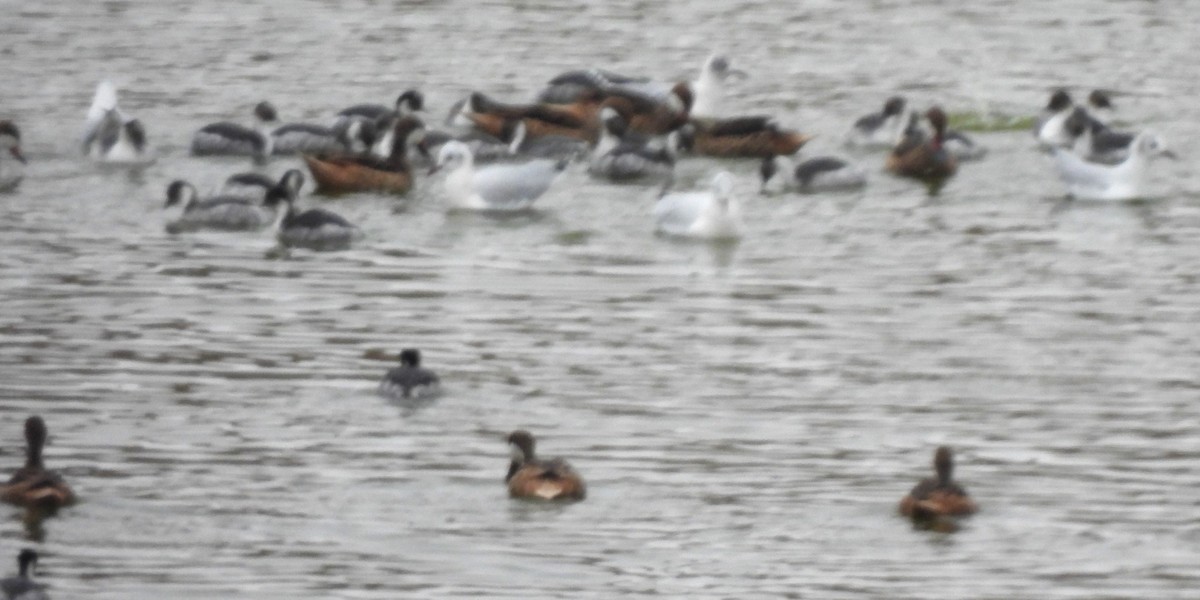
(1122, 181)
(703, 214)
(504, 187)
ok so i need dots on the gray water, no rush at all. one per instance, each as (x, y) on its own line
(746, 415)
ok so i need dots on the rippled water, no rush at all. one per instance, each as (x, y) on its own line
(746, 416)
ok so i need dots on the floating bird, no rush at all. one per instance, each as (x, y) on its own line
(938, 496)
(575, 120)
(244, 209)
(410, 379)
(1122, 181)
(706, 214)
(709, 88)
(882, 129)
(232, 139)
(1095, 141)
(743, 137)
(502, 187)
(315, 228)
(820, 174)
(623, 155)
(12, 162)
(924, 158)
(368, 173)
(255, 186)
(34, 486)
(111, 136)
(407, 102)
(22, 586)
(536, 479)
(344, 138)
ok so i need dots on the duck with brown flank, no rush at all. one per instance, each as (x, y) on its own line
(368, 173)
(34, 486)
(743, 137)
(574, 120)
(938, 496)
(924, 158)
(529, 477)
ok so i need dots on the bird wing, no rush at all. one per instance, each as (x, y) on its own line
(510, 187)
(675, 213)
(1076, 171)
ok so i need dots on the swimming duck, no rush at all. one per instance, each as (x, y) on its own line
(22, 586)
(33, 486)
(569, 86)
(744, 137)
(820, 174)
(223, 213)
(12, 162)
(706, 214)
(410, 379)
(938, 496)
(622, 155)
(882, 129)
(1095, 141)
(347, 136)
(1122, 181)
(536, 479)
(653, 115)
(232, 139)
(1050, 128)
(501, 187)
(255, 186)
(367, 173)
(574, 120)
(407, 102)
(111, 136)
(315, 228)
(924, 158)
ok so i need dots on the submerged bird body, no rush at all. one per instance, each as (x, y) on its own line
(410, 379)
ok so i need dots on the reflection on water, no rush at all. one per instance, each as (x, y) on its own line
(746, 415)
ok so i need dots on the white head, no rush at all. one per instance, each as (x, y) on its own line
(293, 179)
(722, 189)
(181, 193)
(454, 155)
(517, 136)
(1148, 144)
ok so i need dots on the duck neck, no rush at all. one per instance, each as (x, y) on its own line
(283, 215)
(513, 467)
(33, 454)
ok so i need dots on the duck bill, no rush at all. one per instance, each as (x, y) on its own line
(16, 152)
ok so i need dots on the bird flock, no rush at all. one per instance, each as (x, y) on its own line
(499, 156)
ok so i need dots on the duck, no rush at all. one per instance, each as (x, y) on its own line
(34, 486)
(408, 102)
(501, 187)
(223, 212)
(713, 214)
(820, 174)
(938, 496)
(622, 155)
(922, 157)
(1095, 141)
(535, 479)
(743, 137)
(1122, 181)
(232, 139)
(882, 129)
(653, 115)
(575, 120)
(709, 88)
(22, 586)
(12, 161)
(569, 86)
(368, 173)
(486, 148)
(345, 137)
(254, 186)
(314, 229)
(963, 147)
(410, 379)
(1050, 128)
(520, 144)
(111, 136)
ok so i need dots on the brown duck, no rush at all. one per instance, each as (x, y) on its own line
(743, 137)
(536, 479)
(33, 486)
(368, 173)
(924, 158)
(938, 496)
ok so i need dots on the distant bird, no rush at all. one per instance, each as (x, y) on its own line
(232, 139)
(110, 135)
(882, 129)
(1095, 141)
(924, 158)
(623, 155)
(344, 138)
(410, 379)
(1122, 181)
(34, 486)
(742, 137)
(963, 147)
(704, 214)
(12, 162)
(709, 88)
(315, 228)
(536, 479)
(501, 187)
(938, 496)
(223, 213)
(407, 102)
(254, 186)
(368, 173)
(820, 174)
(22, 586)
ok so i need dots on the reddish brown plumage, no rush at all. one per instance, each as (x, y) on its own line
(750, 137)
(924, 158)
(938, 496)
(653, 117)
(536, 479)
(575, 120)
(33, 486)
(341, 175)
